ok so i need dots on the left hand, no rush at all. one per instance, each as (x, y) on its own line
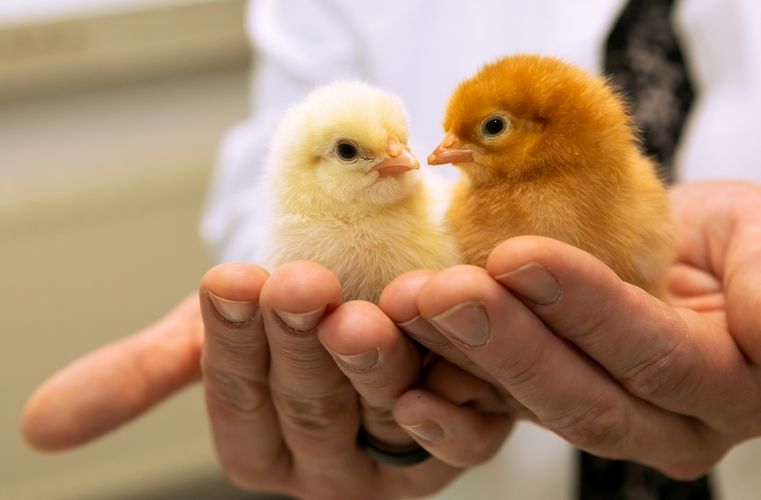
(600, 362)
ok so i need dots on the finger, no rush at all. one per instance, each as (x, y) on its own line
(671, 357)
(316, 404)
(457, 435)
(567, 392)
(115, 383)
(380, 362)
(742, 274)
(461, 388)
(688, 280)
(696, 289)
(235, 368)
(399, 302)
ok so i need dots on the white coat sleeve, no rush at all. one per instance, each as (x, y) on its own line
(298, 44)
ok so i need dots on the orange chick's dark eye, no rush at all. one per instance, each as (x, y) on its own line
(346, 151)
(493, 126)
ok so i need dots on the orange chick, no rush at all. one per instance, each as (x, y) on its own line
(547, 149)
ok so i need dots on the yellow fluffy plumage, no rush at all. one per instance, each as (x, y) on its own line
(547, 149)
(367, 217)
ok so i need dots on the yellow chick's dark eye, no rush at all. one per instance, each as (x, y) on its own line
(347, 151)
(493, 126)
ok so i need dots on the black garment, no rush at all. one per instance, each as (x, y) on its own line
(644, 61)
(603, 479)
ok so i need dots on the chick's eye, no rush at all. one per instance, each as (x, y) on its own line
(347, 151)
(493, 126)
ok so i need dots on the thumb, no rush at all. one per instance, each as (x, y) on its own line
(651, 348)
(116, 383)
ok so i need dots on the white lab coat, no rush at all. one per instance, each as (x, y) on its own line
(420, 49)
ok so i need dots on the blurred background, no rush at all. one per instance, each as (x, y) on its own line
(110, 116)
(111, 112)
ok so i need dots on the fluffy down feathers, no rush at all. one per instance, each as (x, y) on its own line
(346, 193)
(547, 149)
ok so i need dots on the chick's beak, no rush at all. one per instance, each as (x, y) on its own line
(451, 150)
(399, 159)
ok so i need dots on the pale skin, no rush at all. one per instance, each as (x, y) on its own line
(598, 361)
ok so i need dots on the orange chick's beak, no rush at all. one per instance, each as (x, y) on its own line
(399, 159)
(451, 150)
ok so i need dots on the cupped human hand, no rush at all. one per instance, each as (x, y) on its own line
(292, 376)
(600, 362)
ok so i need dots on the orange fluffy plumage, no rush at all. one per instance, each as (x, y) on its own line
(547, 149)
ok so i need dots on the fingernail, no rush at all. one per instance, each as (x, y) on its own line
(466, 322)
(301, 322)
(427, 431)
(534, 282)
(421, 330)
(235, 311)
(362, 361)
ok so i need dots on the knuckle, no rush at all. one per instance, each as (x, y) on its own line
(524, 371)
(377, 414)
(232, 340)
(608, 317)
(588, 325)
(669, 373)
(238, 394)
(314, 414)
(597, 426)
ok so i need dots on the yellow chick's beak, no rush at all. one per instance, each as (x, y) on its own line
(399, 159)
(451, 150)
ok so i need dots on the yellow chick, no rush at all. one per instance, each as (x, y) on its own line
(547, 149)
(347, 193)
